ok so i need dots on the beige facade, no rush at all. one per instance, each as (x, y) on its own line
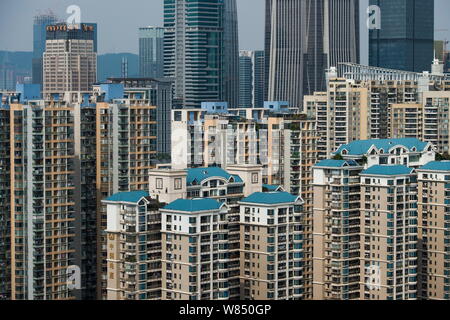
(69, 65)
(272, 252)
(365, 232)
(434, 212)
(336, 231)
(133, 247)
(125, 154)
(195, 250)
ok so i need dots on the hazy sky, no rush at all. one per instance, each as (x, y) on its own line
(119, 20)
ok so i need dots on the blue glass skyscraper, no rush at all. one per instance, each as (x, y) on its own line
(39, 36)
(201, 51)
(406, 38)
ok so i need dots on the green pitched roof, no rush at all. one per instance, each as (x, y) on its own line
(270, 198)
(336, 163)
(437, 166)
(131, 197)
(194, 205)
(384, 170)
(362, 147)
(270, 187)
(200, 174)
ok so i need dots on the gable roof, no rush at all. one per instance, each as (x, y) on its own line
(437, 166)
(200, 174)
(129, 197)
(329, 163)
(384, 170)
(362, 147)
(272, 187)
(194, 205)
(270, 198)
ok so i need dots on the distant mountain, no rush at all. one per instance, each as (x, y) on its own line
(110, 65)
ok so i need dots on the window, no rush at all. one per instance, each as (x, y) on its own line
(254, 177)
(159, 183)
(178, 184)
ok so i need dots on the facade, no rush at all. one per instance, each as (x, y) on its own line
(231, 53)
(210, 74)
(5, 204)
(336, 231)
(126, 151)
(245, 79)
(39, 38)
(133, 246)
(48, 226)
(70, 59)
(433, 207)
(202, 138)
(389, 234)
(159, 94)
(251, 79)
(195, 251)
(366, 231)
(271, 246)
(303, 40)
(405, 40)
(151, 52)
(373, 103)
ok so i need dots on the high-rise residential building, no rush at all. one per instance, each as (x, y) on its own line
(389, 233)
(365, 231)
(251, 79)
(52, 221)
(151, 52)
(133, 246)
(271, 246)
(304, 39)
(126, 151)
(195, 253)
(39, 38)
(70, 59)
(208, 74)
(159, 94)
(5, 204)
(374, 103)
(434, 211)
(226, 186)
(405, 40)
(337, 267)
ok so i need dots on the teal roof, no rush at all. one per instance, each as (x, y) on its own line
(193, 205)
(362, 147)
(270, 187)
(336, 163)
(437, 166)
(270, 198)
(384, 170)
(200, 174)
(131, 197)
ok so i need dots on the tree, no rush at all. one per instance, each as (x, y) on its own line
(338, 156)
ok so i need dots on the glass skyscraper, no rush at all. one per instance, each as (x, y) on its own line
(196, 34)
(406, 38)
(151, 52)
(251, 79)
(39, 36)
(303, 39)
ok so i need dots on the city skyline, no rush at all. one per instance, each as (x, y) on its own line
(141, 13)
